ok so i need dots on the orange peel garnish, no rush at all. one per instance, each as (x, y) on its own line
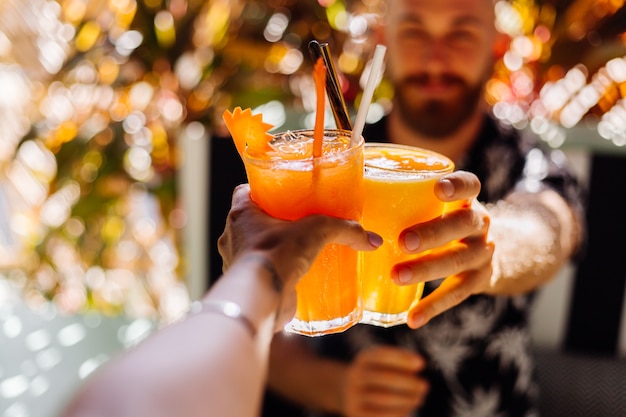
(319, 76)
(248, 130)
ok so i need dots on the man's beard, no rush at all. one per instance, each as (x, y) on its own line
(436, 118)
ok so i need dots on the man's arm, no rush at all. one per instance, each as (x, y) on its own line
(535, 234)
(509, 248)
(301, 376)
(381, 381)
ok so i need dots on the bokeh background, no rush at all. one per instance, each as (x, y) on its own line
(109, 108)
(98, 96)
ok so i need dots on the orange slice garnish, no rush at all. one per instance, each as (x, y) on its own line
(248, 130)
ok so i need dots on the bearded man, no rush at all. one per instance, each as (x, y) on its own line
(465, 350)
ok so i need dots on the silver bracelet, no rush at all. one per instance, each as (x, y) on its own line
(225, 308)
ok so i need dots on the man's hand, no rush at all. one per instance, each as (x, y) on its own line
(460, 252)
(384, 381)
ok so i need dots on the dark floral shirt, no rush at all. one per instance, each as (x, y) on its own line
(479, 353)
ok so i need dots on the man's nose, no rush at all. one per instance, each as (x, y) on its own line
(435, 55)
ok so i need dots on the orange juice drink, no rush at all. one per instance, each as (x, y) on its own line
(399, 192)
(288, 183)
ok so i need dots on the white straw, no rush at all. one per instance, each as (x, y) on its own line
(368, 92)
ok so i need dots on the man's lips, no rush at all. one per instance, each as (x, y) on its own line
(435, 88)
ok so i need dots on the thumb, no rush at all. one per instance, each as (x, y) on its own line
(344, 232)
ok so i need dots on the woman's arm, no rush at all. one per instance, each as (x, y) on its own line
(214, 362)
(208, 364)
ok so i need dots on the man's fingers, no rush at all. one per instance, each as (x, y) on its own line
(456, 225)
(451, 292)
(391, 357)
(377, 403)
(458, 185)
(451, 259)
(385, 381)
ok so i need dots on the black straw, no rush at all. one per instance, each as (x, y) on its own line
(335, 97)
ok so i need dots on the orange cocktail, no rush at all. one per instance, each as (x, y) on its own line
(399, 192)
(288, 183)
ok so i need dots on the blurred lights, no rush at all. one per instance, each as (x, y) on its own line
(612, 126)
(522, 83)
(57, 208)
(349, 63)
(138, 163)
(164, 29)
(74, 10)
(87, 36)
(291, 62)
(195, 131)
(508, 20)
(124, 12)
(616, 69)
(555, 95)
(75, 227)
(276, 27)
(358, 26)
(51, 55)
(273, 112)
(134, 122)
(337, 16)
(128, 251)
(542, 33)
(128, 42)
(108, 70)
(34, 156)
(188, 70)
(513, 61)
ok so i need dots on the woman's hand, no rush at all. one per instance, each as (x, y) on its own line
(287, 248)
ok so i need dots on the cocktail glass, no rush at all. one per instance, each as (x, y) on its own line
(399, 192)
(288, 183)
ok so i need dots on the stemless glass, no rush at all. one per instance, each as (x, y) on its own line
(399, 192)
(289, 183)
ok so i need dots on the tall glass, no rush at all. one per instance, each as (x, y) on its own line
(399, 192)
(288, 183)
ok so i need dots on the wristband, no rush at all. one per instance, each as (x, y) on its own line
(224, 308)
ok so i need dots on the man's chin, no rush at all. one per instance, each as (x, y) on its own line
(434, 119)
(435, 128)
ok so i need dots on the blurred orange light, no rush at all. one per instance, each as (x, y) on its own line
(74, 10)
(349, 63)
(108, 70)
(66, 131)
(124, 12)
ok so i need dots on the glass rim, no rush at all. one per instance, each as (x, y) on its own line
(448, 164)
(343, 154)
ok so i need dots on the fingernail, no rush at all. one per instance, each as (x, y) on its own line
(404, 274)
(374, 239)
(411, 241)
(447, 187)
